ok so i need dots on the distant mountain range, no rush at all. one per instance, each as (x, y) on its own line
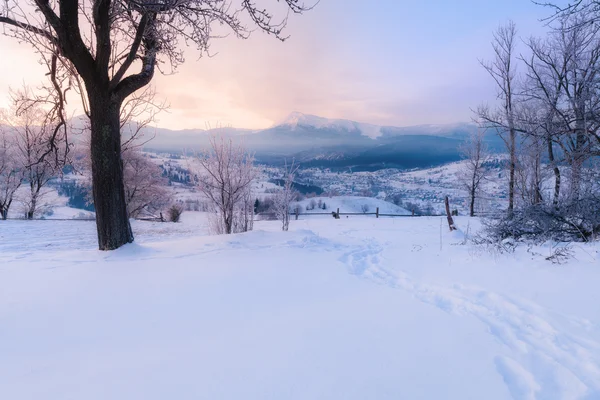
(335, 143)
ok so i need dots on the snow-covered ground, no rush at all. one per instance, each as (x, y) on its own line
(357, 308)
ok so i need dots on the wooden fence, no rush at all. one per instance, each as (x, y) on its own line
(296, 214)
(266, 216)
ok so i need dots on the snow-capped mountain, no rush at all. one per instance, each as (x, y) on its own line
(333, 143)
(298, 119)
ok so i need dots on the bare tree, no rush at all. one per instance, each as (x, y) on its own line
(559, 113)
(563, 73)
(145, 192)
(545, 73)
(32, 131)
(99, 42)
(285, 195)
(244, 221)
(224, 175)
(503, 70)
(473, 171)
(11, 171)
(590, 9)
(581, 43)
(530, 172)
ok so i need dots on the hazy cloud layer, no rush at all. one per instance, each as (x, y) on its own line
(384, 62)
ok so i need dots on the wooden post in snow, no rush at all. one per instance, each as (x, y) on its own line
(449, 215)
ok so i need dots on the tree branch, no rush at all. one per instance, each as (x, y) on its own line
(132, 52)
(30, 28)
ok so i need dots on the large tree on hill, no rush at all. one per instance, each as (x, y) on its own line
(112, 48)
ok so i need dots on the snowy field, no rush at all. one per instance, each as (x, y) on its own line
(357, 308)
(348, 204)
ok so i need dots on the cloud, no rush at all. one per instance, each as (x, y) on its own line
(392, 64)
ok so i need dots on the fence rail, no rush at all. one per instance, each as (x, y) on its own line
(337, 212)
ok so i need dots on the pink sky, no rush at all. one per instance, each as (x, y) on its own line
(388, 64)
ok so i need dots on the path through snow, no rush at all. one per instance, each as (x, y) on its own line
(542, 362)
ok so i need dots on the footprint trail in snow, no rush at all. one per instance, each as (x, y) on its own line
(541, 361)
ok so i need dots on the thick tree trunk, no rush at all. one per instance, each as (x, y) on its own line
(112, 222)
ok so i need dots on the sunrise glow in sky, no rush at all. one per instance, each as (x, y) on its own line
(387, 62)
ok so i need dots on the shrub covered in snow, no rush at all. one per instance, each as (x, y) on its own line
(569, 222)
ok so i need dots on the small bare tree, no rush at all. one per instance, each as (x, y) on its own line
(530, 172)
(11, 172)
(473, 171)
(284, 197)
(245, 213)
(145, 187)
(225, 175)
(503, 71)
(33, 131)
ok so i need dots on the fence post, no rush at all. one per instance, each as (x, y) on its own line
(449, 215)
(377, 212)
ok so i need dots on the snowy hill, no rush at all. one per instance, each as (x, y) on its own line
(296, 119)
(349, 204)
(358, 308)
(315, 141)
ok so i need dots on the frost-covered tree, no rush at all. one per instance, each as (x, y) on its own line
(111, 49)
(32, 131)
(285, 195)
(473, 171)
(542, 91)
(145, 187)
(503, 70)
(11, 171)
(224, 174)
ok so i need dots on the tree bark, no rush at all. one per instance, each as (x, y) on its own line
(556, 171)
(472, 202)
(538, 198)
(31, 210)
(112, 222)
(513, 166)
